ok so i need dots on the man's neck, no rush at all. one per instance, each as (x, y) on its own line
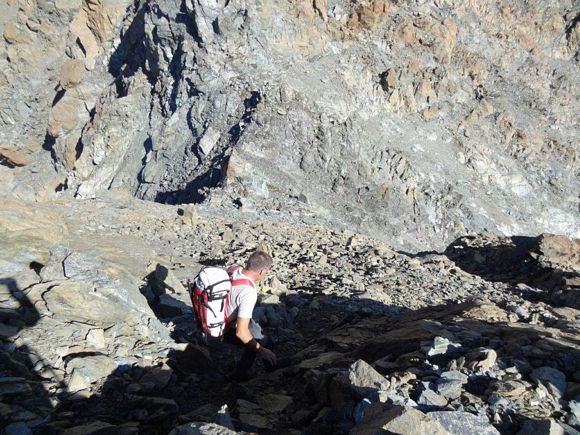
(254, 276)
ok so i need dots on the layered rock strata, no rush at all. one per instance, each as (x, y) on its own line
(416, 122)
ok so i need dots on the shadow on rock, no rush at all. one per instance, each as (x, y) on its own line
(24, 401)
(350, 365)
(547, 262)
(189, 384)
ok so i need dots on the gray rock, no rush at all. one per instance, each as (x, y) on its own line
(397, 419)
(18, 428)
(554, 380)
(13, 385)
(541, 427)
(574, 418)
(202, 429)
(454, 375)
(364, 380)
(430, 398)
(443, 346)
(451, 389)
(464, 423)
(158, 376)
(85, 371)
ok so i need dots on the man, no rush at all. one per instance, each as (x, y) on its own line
(239, 309)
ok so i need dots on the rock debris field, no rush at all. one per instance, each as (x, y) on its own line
(98, 334)
(411, 166)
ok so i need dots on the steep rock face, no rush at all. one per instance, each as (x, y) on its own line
(416, 122)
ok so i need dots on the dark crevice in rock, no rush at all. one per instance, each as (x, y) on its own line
(36, 266)
(184, 17)
(213, 173)
(58, 96)
(130, 55)
(48, 145)
(250, 105)
(176, 68)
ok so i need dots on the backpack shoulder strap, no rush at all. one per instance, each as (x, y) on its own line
(239, 281)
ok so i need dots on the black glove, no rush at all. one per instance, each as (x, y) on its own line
(268, 356)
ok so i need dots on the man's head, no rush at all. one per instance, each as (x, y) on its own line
(259, 263)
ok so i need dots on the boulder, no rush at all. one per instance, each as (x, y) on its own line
(541, 427)
(558, 252)
(430, 399)
(397, 420)
(554, 380)
(86, 370)
(364, 380)
(443, 346)
(450, 388)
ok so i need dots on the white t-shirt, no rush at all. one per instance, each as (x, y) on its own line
(242, 298)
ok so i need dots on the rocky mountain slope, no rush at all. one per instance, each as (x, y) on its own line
(98, 335)
(415, 122)
(406, 163)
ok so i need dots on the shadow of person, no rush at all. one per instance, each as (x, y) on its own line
(25, 401)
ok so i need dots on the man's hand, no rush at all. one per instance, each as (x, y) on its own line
(267, 355)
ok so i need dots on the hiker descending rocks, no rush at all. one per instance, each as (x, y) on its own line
(224, 302)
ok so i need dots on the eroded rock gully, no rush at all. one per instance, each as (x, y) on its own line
(98, 336)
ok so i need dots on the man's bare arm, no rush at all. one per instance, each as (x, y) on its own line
(243, 331)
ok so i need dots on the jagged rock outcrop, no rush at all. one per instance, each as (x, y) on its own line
(416, 122)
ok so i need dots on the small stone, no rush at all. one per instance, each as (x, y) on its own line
(89, 369)
(482, 359)
(430, 398)
(510, 389)
(208, 141)
(96, 337)
(454, 375)
(464, 423)
(450, 389)
(443, 346)
(72, 73)
(201, 428)
(190, 216)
